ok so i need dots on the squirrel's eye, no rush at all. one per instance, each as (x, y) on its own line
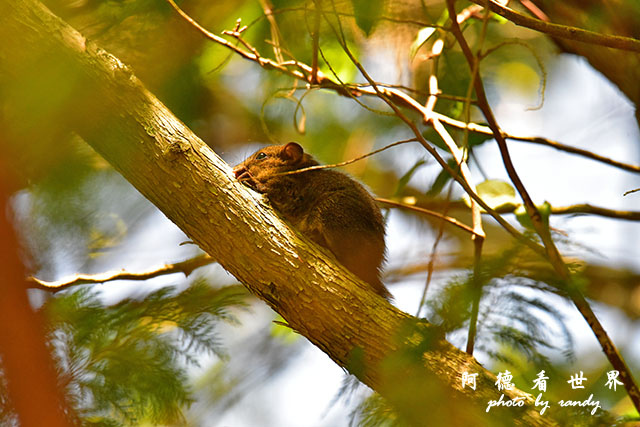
(261, 155)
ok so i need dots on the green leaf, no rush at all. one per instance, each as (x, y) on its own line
(432, 136)
(281, 331)
(523, 217)
(442, 179)
(422, 37)
(499, 195)
(476, 139)
(367, 12)
(404, 180)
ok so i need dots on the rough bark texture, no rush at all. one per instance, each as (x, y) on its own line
(195, 189)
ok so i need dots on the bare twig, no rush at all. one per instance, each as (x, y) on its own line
(434, 214)
(476, 283)
(315, 37)
(585, 208)
(185, 267)
(434, 91)
(347, 162)
(563, 31)
(485, 130)
(577, 209)
(251, 55)
(267, 8)
(432, 257)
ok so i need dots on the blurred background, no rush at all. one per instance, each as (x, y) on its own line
(199, 350)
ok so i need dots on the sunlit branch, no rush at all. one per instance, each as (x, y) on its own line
(267, 8)
(434, 90)
(585, 208)
(185, 267)
(315, 38)
(577, 209)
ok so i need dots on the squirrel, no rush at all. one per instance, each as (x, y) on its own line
(325, 205)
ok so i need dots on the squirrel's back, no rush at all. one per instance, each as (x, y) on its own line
(327, 206)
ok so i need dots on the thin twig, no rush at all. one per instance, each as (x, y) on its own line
(485, 130)
(432, 99)
(575, 150)
(458, 155)
(346, 162)
(476, 283)
(577, 209)
(315, 38)
(267, 8)
(264, 62)
(434, 214)
(563, 31)
(432, 256)
(186, 267)
(585, 208)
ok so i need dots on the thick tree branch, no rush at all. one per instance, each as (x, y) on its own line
(187, 181)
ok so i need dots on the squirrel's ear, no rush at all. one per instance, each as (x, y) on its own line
(292, 151)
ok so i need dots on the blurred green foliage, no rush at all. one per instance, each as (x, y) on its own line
(127, 363)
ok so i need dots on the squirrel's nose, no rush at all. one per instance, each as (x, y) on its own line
(237, 171)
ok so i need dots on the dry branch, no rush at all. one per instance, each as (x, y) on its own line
(185, 267)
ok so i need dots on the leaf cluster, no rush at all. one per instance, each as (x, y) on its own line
(127, 363)
(518, 317)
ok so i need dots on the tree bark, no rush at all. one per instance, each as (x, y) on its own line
(107, 106)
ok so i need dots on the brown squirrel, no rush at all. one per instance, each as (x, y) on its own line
(327, 206)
